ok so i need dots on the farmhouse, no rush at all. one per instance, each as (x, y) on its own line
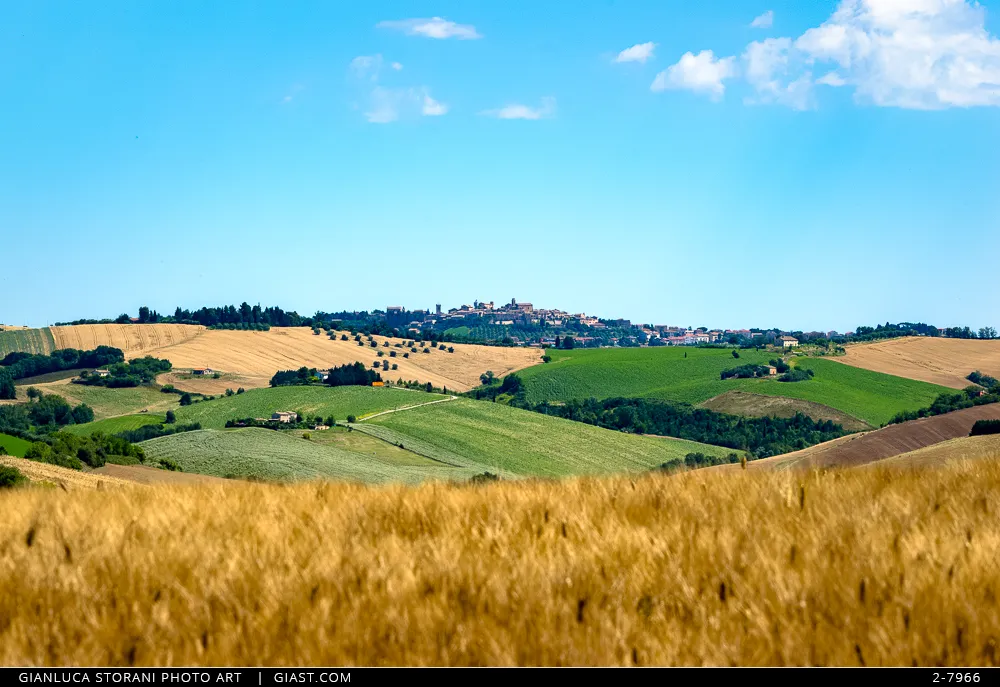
(102, 373)
(285, 416)
(323, 375)
(200, 371)
(772, 370)
(788, 341)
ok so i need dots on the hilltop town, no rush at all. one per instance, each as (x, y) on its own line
(525, 325)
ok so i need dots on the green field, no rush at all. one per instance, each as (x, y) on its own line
(113, 425)
(113, 402)
(666, 373)
(15, 446)
(520, 443)
(27, 341)
(276, 455)
(339, 401)
(457, 331)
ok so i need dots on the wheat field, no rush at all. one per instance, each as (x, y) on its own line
(850, 567)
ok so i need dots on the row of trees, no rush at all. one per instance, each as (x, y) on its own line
(344, 375)
(761, 436)
(946, 403)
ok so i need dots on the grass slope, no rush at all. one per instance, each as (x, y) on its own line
(498, 438)
(666, 374)
(339, 401)
(26, 341)
(15, 446)
(114, 402)
(272, 455)
(113, 425)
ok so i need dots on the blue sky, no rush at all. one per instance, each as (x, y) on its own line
(800, 165)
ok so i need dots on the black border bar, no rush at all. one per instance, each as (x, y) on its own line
(355, 677)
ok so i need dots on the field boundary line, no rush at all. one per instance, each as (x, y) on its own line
(396, 410)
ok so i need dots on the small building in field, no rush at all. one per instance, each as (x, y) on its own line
(201, 371)
(323, 375)
(788, 341)
(378, 383)
(981, 392)
(320, 428)
(772, 370)
(102, 373)
(285, 416)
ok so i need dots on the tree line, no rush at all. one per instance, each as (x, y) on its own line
(344, 375)
(22, 365)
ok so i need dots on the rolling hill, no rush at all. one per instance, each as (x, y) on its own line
(272, 455)
(22, 340)
(519, 443)
(878, 445)
(929, 359)
(339, 402)
(691, 375)
(251, 358)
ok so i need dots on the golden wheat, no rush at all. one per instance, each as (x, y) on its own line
(873, 566)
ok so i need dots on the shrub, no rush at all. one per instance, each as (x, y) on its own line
(736, 354)
(171, 418)
(352, 419)
(241, 390)
(796, 376)
(168, 464)
(546, 358)
(307, 436)
(229, 392)
(185, 399)
(11, 477)
(985, 427)
(451, 349)
(484, 478)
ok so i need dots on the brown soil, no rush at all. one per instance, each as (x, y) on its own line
(877, 445)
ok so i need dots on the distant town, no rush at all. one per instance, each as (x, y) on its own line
(526, 325)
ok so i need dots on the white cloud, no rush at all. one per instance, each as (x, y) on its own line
(433, 108)
(397, 66)
(921, 54)
(917, 54)
(516, 111)
(436, 27)
(366, 66)
(769, 71)
(831, 79)
(390, 104)
(700, 73)
(637, 53)
(764, 21)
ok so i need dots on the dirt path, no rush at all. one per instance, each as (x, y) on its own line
(419, 405)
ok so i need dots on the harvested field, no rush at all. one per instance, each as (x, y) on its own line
(24, 340)
(928, 359)
(893, 440)
(135, 340)
(207, 384)
(70, 479)
(963, 448)
(875, 567)
(757, 405)
(254, 357)
(143, 474)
